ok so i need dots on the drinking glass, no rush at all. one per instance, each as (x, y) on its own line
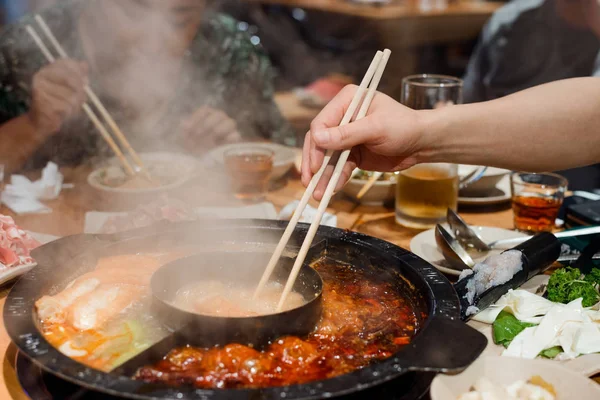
(536, 200)
(426, 191)
(249, 168)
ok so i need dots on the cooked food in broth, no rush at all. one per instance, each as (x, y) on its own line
(233, 299)
(363, 321)
(102, 318)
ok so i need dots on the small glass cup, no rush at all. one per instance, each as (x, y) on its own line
(536, 200)
(249, 168)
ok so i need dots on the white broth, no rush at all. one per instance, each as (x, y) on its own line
(221, 299)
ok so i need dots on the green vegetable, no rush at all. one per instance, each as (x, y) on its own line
(551, 352)
(593, 277)
(506, 327)
(566, 285)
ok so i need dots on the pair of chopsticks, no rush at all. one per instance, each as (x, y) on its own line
(367, 186)
(95, 100)
(371, 81)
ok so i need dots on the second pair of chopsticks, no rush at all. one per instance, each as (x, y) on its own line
(371, 81)
(95, 100)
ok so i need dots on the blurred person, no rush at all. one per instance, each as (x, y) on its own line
(531, 42)
(548, 127)
(308, 45)
(173, 75)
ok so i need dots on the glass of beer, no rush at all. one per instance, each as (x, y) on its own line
(426, 191)
(536, 200)
(249, 168)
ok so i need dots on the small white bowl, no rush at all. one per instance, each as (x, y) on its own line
(283, 157)
(486, 183)
(381, 192)
(117, 198)
(507, 370)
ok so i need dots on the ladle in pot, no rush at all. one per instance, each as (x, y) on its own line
(235, 267)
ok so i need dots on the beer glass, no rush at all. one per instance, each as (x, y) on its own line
(425, 191)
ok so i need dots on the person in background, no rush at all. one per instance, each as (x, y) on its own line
(531, 42)
(308, 45)
(539, 129)
(173, 75)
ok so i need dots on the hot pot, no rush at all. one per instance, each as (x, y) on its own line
(444, 342)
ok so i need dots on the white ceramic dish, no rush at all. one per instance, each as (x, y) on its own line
(283, 159)
(491, 177)
(425, 247)
(498, 195)
(12, 273)
(568, 384)
(183, 165)
(109, 198)
(381, 192)
(587, 365)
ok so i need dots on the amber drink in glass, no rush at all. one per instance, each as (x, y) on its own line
(249, 169)
(536, 200)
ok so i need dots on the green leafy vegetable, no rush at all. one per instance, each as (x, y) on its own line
(593, 277)
(551, 352)
(506, 327)
(566, 285)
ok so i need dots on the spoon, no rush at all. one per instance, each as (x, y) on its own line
(453, 252)
(469, 238)
(463, 232)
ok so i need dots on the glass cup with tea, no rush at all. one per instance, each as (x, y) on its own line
(536, 200)
(249, 168)
(426, 191)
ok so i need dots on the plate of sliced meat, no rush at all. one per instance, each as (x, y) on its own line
(15, 248)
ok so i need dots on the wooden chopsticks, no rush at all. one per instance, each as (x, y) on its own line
(95, 100)
(367, 186)
(370, 80)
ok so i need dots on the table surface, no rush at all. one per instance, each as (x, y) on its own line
(69, 211)
(398, 9)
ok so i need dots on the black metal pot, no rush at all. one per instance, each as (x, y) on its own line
(443, 344)
(208, 330)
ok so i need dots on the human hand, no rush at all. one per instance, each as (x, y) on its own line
(387, 139)
(57, 94)
(207, 128)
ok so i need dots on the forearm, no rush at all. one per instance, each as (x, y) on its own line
(18, 141)
(549, 127)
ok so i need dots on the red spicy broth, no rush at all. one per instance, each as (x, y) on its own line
(363, 321)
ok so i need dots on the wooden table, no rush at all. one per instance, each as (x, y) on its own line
(68, 218)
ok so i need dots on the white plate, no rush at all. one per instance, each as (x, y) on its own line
(587, 365)
(568, 384)
(184, 165)
(283, 159)
(500, 194)
(425, 247)
(11, 273)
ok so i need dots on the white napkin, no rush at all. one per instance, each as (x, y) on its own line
(22, 195)
(308, 215)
